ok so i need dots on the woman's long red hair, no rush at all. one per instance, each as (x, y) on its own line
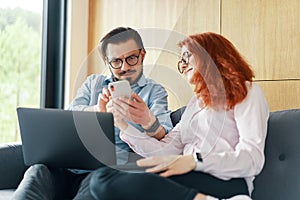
(222, 73)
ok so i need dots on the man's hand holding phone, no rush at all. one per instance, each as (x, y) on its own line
(129, 106)
(133, 109)
(114, 90)
(120, 89)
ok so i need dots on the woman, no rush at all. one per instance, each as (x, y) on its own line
(218, 146)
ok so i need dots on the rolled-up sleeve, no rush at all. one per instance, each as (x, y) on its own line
(83, 96)
(158, 104)
(87, 94)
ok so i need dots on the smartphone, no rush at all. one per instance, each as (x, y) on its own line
(120, 88)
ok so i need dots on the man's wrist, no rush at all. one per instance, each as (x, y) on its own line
(150, 122)
(153, 128)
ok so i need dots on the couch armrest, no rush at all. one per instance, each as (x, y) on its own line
(12, 165)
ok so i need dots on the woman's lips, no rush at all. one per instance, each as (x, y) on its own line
(187, 70)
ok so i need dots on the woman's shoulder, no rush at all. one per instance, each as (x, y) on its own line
(193, 100)
(254, 89)
(254, 98)
(194, 103)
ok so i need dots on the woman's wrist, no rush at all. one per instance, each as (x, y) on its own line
(198, 161)
(193, 162)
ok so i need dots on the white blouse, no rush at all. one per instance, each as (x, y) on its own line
(231, 142)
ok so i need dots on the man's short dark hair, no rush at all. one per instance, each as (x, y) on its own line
(118, 35)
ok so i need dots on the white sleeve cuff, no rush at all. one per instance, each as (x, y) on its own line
(199, 164)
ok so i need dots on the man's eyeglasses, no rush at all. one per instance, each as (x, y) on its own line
(184, 61)
(130, 60)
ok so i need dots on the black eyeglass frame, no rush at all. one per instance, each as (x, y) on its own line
(184, 60)
(126, 60)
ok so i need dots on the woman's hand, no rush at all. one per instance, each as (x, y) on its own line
(168, 165)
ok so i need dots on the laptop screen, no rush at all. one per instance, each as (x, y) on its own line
(67, 139)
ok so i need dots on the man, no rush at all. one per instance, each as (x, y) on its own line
(123, 51)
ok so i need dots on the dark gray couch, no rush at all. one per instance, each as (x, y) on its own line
(279, 180)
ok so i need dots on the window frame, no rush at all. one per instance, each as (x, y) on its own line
(53, 53)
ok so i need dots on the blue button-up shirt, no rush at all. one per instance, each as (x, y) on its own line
(153, 94)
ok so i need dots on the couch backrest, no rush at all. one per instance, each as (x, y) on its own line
(280, 177)
(176, 115)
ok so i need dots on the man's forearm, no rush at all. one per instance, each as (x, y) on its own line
(90, 108)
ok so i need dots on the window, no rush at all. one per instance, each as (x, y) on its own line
(20, 61)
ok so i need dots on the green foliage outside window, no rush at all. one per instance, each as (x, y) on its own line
(20, 67)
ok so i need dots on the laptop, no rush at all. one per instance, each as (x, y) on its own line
(69, 139)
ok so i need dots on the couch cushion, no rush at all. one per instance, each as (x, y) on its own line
(280, 177)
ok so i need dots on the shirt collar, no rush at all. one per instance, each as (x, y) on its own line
(141, 82)
(108, 79)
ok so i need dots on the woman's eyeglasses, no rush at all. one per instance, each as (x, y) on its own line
(130, 60)
(184, 61)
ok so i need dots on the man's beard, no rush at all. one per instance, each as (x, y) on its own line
(131, 81)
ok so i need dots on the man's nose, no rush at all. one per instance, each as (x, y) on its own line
(125, 66)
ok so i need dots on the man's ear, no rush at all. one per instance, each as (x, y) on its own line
(106, 61)
(143, 53)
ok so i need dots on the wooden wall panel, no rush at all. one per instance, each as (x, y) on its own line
(267, 33)
(195, 17)
(282, 95)
(198, 16)
(77, 47)
(184, 16)
(181, 16)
